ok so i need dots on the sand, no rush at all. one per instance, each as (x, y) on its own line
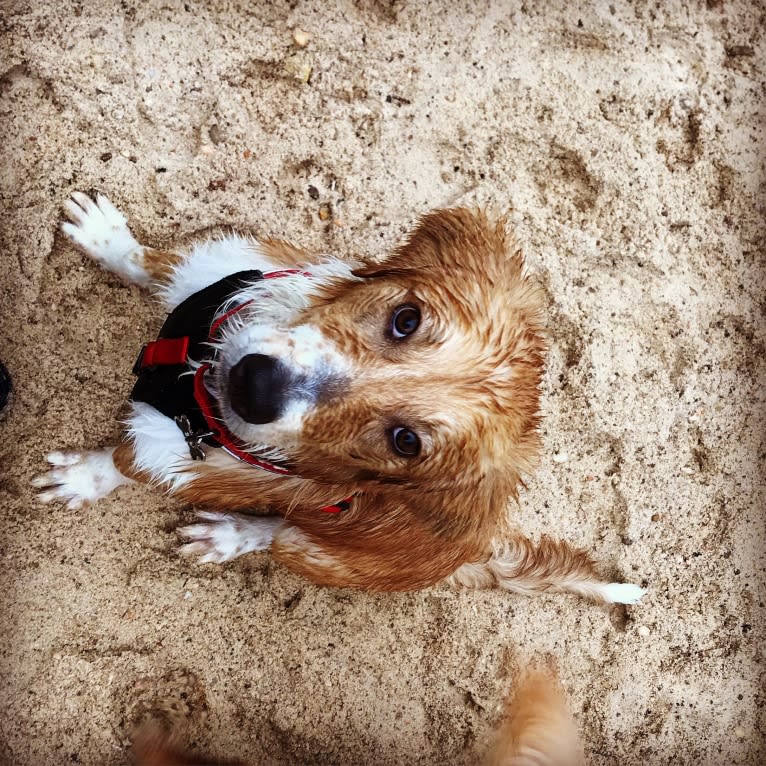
(628, 142)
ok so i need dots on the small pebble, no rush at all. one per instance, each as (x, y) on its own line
(560, 457)
(643, 631)
(739, 732)
(215, 133)
(301, 38)
(296, 67)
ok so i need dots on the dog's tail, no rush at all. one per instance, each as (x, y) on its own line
(538, 729)
(522, 566)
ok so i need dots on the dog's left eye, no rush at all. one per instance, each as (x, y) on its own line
(405, 442)
(404, 321)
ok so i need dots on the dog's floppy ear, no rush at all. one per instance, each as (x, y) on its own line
(457, 238)
(372, 270)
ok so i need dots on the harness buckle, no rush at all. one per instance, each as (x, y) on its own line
(193, 438)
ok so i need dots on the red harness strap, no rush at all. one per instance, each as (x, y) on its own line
(162, 351)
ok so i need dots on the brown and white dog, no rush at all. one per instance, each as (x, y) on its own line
(402, 393)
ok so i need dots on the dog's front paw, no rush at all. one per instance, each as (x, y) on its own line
(101, 230)
(224, 536)
(79, 477)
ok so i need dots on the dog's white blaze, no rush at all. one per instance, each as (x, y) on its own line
(304, 351)
(80, 477)
(159, 446)
(224, 536)
(270, 440)
(210, 261)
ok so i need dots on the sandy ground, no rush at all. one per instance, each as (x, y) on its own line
(629, 142)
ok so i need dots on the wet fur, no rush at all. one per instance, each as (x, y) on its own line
(468, 380)
(473, 370)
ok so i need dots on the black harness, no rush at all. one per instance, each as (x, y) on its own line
(165, 380)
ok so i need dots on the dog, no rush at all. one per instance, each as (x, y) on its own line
(382, 413)
(536, 729)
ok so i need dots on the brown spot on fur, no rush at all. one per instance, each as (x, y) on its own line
(160, 263)
(286, 254)
(123, 458)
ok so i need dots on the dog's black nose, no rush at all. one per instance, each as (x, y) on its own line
(257, 388)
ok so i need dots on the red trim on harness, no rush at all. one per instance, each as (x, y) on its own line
(342, 505)
(221, 319)
(164, 351)
(286, 273)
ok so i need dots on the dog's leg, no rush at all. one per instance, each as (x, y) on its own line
(552, 565)
(154, 451)
(221, 537)
(80, 477)
(101, 230)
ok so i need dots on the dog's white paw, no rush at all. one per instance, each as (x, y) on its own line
(622, 593)
(79, 477)
(224, 536)
(101, 230)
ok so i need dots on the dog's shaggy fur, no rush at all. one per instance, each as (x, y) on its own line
(462, 385)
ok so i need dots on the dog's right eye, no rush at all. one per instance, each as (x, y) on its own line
(406, 442)
(404, 321)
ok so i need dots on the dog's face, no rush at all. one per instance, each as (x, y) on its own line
(414, 372)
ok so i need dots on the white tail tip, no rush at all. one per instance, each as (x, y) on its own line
(622, 593)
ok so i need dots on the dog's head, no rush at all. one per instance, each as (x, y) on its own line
(420, 372)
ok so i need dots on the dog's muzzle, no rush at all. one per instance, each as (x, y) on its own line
(258, 387)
